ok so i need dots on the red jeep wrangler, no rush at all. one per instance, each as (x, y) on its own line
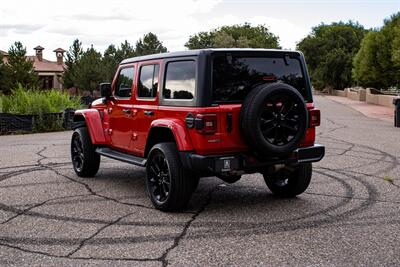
(198, 113)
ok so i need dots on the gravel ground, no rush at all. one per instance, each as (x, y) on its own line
(349, 216)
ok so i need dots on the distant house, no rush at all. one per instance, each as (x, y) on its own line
(4, 56)
(50, 72)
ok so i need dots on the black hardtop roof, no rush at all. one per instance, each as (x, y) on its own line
(197, 52)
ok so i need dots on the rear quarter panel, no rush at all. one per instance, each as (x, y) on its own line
(201, 144)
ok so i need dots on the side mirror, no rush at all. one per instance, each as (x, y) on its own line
(105, 90)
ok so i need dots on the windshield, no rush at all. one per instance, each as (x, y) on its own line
(235, 76)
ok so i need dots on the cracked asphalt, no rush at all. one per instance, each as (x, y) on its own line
(349, 216)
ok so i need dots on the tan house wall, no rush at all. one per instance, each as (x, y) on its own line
(383, 100)
(365, 95)
(45, 67)
(340, 93)
(57, 82)
(57, 76)
(352, 95)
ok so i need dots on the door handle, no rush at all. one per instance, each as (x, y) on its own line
(127, 111)
(149, 112)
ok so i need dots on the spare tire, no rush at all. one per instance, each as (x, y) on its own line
(274, 119)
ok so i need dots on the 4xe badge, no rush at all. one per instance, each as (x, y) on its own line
(227, 164)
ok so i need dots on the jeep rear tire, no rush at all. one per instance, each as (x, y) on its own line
(274, 119)
(85, 160)
(289, 182)
(169, 185)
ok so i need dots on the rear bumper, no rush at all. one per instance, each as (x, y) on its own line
(246, 163)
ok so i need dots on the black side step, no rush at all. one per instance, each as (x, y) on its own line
(114, 154)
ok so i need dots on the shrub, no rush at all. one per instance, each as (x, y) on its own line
(35, 102)
(45, 106)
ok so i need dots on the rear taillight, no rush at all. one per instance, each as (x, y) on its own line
(206, 123)
(314, 117)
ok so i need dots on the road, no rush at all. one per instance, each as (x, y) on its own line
(349, 216)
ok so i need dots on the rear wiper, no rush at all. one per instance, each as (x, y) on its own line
(286, 59)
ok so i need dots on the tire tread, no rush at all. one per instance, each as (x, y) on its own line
(182, 183)
(92, 159)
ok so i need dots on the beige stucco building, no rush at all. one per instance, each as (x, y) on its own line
(50, 72)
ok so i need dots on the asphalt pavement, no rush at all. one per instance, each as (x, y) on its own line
(349, 216)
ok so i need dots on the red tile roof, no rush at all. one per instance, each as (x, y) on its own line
(46, 65)
(59, 50)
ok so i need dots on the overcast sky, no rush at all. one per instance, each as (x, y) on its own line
(54, 24)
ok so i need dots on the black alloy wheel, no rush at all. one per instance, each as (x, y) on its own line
(169, 184)
(279, 121)
(77, 155)
(85, 160)
(159, 177)
(273, 119)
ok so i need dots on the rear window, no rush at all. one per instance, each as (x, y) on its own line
(234, 77)
(180, 80)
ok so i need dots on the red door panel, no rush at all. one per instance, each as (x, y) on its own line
(120, 125)
(146, 103)
(120, 109)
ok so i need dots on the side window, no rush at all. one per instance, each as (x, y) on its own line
(180, 80)
(124, 84)
(148, 81)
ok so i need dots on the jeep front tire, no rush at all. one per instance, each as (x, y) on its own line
(169, 185)
(85, 160)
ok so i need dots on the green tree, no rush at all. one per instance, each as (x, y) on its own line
(396, 46)
(201, 40)
(377, 63)
(110, 62)
(89, 70)
(85, 69)
(18, 69)
(391, 50)
(149, 44)
(126, 51)
(73, 57)
(365, 71)
(329, 51)
(224, 39)
(113, 56)
(5, 78)
(234, 36)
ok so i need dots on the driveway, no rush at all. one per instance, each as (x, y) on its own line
(349, 216)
